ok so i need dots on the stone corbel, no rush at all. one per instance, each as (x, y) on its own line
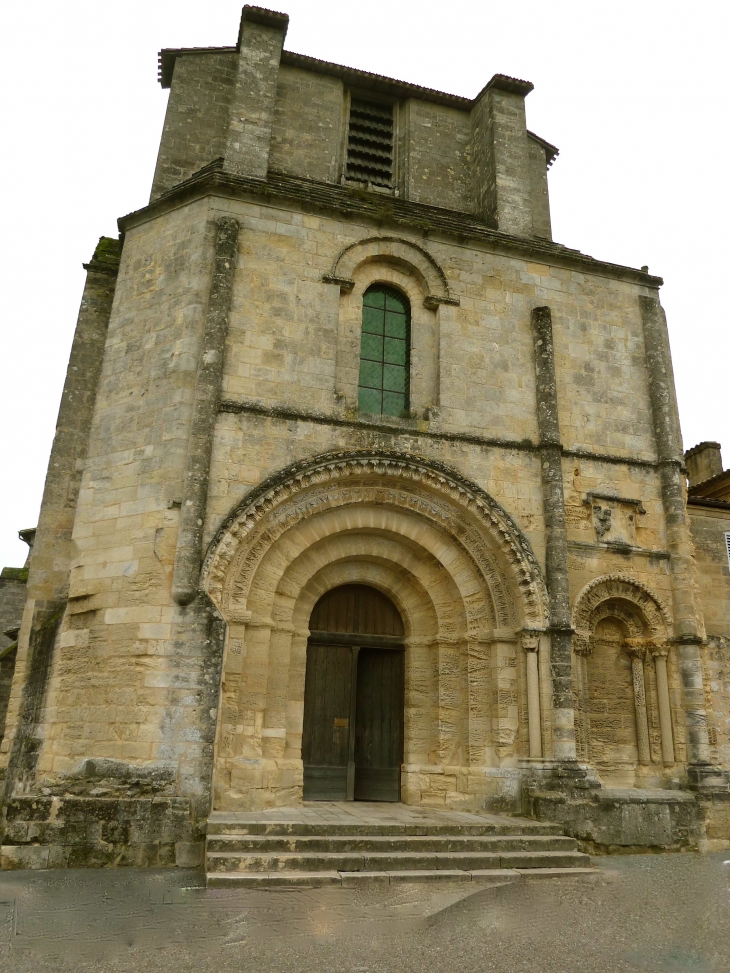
(433, 301)
(344, 283)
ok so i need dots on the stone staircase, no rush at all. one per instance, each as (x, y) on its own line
(382, 846)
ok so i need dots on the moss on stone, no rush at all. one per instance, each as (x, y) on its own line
(14, 574)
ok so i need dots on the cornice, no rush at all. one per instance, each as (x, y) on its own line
(382, 210)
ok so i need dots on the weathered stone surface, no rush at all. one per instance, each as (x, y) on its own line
(211, 478)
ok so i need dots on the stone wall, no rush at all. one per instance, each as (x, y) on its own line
(196, 121)
(436, 155)
(12, 602)
(119, 636)
(539, 456)
(709, 526)
(263, 111)
(308, 129)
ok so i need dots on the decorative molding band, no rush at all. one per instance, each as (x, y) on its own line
(409, 427)
(591, 496)
(321, 196)
(618, 548)
(321, 483)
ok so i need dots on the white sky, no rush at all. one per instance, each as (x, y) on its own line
(634, 94)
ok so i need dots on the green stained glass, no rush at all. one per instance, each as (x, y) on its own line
(372, 320)
(393, 303)
(384, 358)
(395, 351)
(371, 374)
(394, 378)
(395, 325)
(374, 298)
(394, 403)
(371, 347)
(370, 400)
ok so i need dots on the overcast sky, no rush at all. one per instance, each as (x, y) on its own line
(633, 93)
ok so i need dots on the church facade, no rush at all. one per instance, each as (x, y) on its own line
(363, 488)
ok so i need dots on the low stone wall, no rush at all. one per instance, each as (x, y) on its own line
(617, 821)
(493, 789)
(65, 832)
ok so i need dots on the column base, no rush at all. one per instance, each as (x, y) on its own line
(707, 777)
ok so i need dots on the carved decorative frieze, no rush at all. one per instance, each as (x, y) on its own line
(623, 597)
(614, 518)
(395, 481)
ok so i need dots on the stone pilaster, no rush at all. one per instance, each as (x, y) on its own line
(556, 545)
(205, 411)
(50, 563)
(501, 162)
(260, 42)
(688, 625)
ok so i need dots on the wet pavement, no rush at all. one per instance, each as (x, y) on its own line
(654, 913)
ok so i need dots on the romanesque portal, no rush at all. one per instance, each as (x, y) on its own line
(455, 587)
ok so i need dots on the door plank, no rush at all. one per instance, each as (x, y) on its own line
(379, 725)
(327, 722)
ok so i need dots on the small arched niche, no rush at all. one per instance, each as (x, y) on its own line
(352, 742)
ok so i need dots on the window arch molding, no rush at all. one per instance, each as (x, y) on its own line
(425, 323)
(416, 260)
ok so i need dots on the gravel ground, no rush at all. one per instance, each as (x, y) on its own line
(656, 913)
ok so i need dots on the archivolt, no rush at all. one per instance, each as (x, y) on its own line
(400, 252)
(623, 597)
(456, 516)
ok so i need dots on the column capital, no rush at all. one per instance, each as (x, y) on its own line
(658, 649)
(635, 647)
(530, 639)
(582, 644)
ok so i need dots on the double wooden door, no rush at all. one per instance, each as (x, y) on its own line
(352, 745)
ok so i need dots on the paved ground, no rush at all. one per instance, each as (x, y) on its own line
(366, 813)
(660, 914)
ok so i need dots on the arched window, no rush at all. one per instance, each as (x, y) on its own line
(384, 352)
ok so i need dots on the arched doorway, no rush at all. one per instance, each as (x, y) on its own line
(352, 742)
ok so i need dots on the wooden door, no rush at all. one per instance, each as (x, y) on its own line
(379, 724)
(352, 743)
(326, 736)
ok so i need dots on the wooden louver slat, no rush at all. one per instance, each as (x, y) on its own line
(370, 143)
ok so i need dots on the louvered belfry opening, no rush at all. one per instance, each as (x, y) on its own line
(370, 143)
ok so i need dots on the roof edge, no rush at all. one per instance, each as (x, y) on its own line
(354, 76)
(213, 180)
(551, 151)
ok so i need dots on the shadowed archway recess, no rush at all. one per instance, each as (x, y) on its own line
(455, 566)
(352, 744)
(622, 674)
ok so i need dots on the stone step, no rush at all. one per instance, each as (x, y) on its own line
(221, 824)
(350, 879)
(269, 844)
(387, 861)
